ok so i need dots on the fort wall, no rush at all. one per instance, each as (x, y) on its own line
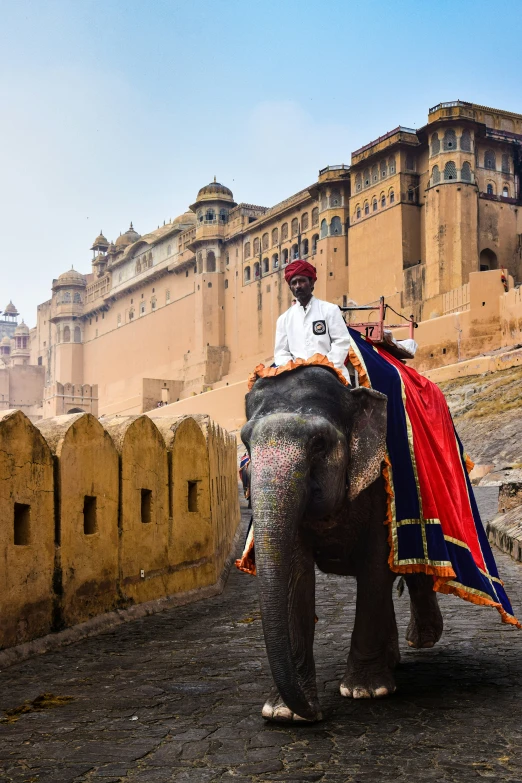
(97, 516)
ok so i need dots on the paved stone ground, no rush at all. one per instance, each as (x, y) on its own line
(487, 502)
(177, 697)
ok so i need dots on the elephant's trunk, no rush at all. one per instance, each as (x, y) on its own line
(284, 563)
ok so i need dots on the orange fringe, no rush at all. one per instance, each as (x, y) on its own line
(316, 360)
(441, 586)
(361, 372)
(469, 463)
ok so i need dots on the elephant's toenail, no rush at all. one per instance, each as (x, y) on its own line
(361, 693)
(283, 713)
(267, 711)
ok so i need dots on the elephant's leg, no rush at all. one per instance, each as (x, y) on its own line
(301, 615)
(425, 626)
(374, 650)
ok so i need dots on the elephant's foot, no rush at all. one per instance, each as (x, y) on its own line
(274, 709)
(426, 624)
(367, 680)
(423, 634)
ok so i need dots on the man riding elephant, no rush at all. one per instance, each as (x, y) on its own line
(310, 325)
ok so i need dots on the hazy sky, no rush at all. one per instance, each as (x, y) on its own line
(121, 110)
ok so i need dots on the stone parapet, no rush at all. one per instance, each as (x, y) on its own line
(96, 517)
(505, 532)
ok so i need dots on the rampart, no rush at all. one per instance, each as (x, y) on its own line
(100, 515)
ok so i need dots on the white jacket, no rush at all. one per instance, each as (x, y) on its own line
(317, 328)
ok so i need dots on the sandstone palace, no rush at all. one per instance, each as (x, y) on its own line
(192, 305)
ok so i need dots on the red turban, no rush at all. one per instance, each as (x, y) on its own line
(299, 267)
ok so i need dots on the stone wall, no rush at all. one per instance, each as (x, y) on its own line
(97, 515)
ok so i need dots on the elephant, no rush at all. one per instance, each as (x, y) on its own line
(319, 499)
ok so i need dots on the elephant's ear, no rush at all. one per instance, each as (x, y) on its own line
(368, 439)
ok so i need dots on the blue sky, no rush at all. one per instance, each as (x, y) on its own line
(119, 110)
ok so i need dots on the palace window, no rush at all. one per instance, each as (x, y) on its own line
(383, 169)
(335, 198)
(77, 299)
(489, 189)
(304, 221)
(435, 175)
(505, 164)
(142, 308)
(211, 261)
(324, 201)
(366, 177)
(284, 232)
(450, 140)
(465, 141)
(315, 216)
(275, 237)
(505, 191)
(357, 214)
(226, 283)
(284, 256)
(77, 334)
(392, 197)
(450, 170)
(375, 173)
(295, 252)
(247, 249)
(257, 246)
(358, 182)
(131, 313)
(490, 161)
(257, 271)
(275, 261)
(304, 248)
(335, 225)
(200, 262)
(66, 297)
(295, 227)
(153, 303)
(391, 164)
(223, 215)
(374, 205)
(324, 228)
(315, 239)
(264, 241)
(138, 267)
(465, 172)
(266, 266)
(247, 274)
(435, 144)
(210, 216)
(366, 208)
(411, 194)
(410, 162)
(66, 334)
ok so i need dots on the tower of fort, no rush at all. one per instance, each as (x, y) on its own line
(192, 305)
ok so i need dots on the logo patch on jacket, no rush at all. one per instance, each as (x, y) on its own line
(319, 327)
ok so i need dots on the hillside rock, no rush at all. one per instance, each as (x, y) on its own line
(487, 411)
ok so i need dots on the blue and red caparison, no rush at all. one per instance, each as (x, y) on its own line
(434, 523)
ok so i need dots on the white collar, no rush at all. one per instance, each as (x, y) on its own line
(308, 306)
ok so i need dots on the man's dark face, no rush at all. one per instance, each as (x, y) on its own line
(302, 288)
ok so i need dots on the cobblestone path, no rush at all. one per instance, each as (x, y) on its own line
(177, 697)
